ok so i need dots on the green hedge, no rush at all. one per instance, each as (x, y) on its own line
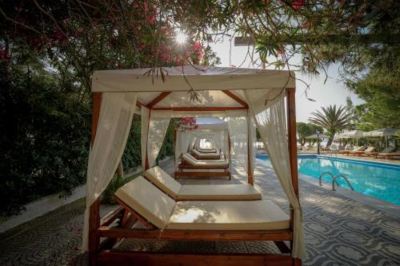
(44, 139)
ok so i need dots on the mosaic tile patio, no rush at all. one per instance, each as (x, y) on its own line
(338, 231)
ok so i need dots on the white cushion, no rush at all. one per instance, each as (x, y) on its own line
(205, 154)
(193, 161)
(147, 200)
(163, 181)
(218, 192)
(200, 192)
(228, 215)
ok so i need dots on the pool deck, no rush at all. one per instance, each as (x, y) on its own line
(339, 230)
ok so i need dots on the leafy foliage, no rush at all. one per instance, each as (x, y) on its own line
(331, 118)
(306, 129)
(44, 139)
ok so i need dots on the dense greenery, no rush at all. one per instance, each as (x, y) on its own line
(306, 129)
(44, 137)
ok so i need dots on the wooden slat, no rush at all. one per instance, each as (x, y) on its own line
(200, 109)
(212, 235)
(141, 219)
(283, 248)
(94, 238)
(158, 99)
(152, 259)
(111, 216)
(236, 98)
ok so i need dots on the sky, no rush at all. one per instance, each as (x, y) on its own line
(333, 91)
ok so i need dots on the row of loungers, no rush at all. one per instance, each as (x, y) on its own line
(387, 153)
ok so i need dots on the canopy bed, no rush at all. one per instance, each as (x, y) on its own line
(245, 98)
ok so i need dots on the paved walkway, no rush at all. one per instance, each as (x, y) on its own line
(338, 230)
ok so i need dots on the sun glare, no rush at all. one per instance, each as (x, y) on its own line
(181, 37)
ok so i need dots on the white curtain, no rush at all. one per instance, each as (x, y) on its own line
(251, 129)
(144, 133)
(271, 123)
(237, 127)
(115, 120)
(157, 130)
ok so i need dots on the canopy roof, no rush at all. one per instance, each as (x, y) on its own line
(315, 136)
(383, 132)
(218, 87)
(352, 134)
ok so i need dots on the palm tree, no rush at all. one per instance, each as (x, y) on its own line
(333, 119)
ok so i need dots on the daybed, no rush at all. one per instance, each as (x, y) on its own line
(179, 192)
(148, 213)
(206, 155)
(191, 167)
(246, 99)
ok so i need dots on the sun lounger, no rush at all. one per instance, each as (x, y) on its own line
(191, 167)
(357, 150)
(206, 156)
(164, 213)
(179, 192)
(205, 150)
(367, 152)
(188, 161)
(147, 213)
(388, 155)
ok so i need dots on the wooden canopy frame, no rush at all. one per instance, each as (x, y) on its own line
(100, 251)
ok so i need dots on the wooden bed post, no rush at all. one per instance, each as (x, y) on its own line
(94, 210)
(292, 141)
(250, 178)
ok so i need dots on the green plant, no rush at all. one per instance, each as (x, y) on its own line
(331, 118)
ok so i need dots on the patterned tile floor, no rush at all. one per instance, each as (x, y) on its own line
(338, 230)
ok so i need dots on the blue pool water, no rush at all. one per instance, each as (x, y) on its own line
(378, 180)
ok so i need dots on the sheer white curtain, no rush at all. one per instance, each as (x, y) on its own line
(115, 120)
(237, 127)
(144, 133)
(252, 140)
(271, 123)
(157, 130)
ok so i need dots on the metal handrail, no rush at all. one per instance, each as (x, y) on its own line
(334, 180)
(325, 173)
(345, 178)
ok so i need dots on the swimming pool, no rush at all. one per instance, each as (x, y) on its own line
(378, 180)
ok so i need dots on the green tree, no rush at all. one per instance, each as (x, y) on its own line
(380, 89)
(306, 129)
(332, 118)
(44, 139)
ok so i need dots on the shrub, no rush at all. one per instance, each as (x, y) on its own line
(44, 139)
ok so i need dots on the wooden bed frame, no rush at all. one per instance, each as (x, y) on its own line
(103, 235)
(126, 217)
(219, 172)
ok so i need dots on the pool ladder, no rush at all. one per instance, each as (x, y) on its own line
(334, 180)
